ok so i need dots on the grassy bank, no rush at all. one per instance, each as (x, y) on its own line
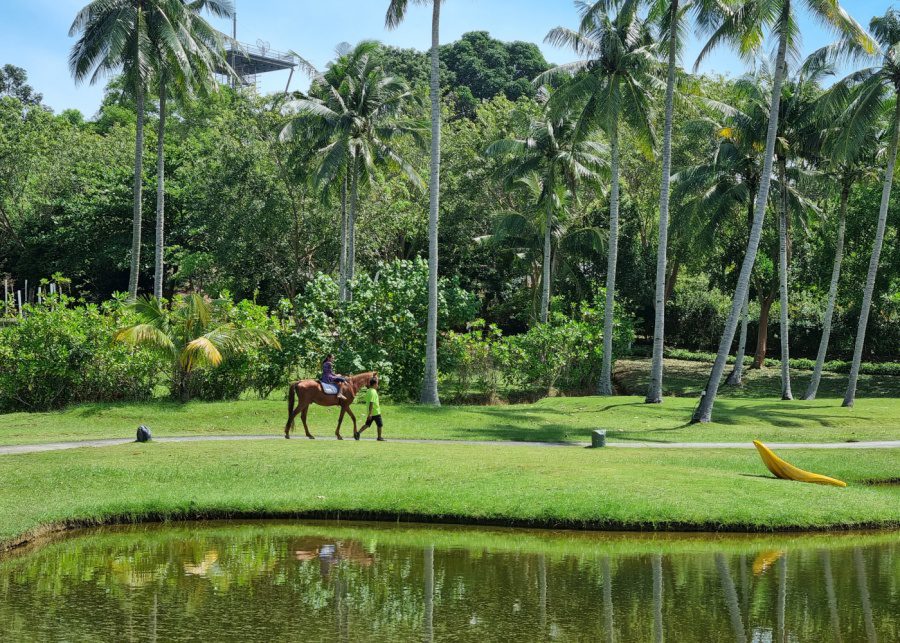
(703, 489)
(549, 420)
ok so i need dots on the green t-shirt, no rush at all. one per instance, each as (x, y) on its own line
(371, 397)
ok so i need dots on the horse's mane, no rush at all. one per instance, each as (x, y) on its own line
(362, 379)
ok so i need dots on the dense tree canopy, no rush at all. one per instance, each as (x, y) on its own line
(247, 216)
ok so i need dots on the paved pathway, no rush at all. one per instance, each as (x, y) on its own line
(59, 446)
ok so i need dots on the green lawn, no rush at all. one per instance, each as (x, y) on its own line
(552, 420)
(724, 489)
(687, 378)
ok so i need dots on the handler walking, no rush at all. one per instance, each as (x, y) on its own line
(371, 398)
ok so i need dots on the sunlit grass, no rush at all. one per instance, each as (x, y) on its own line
(649, 489)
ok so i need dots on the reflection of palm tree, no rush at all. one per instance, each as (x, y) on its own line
(863, 582)
(608, 602)
(731, 598)
(542, 588)
(832, 597)
(429, 593)
(657, 598)
(782, 597)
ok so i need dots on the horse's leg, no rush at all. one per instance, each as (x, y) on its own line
(290, 424)
(340, 419)
(352, 417)
(305, 425)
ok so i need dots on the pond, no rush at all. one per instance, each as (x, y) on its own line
(337, 581)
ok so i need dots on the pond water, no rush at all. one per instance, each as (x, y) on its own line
(318, 581)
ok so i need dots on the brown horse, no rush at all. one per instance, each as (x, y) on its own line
(307, 392)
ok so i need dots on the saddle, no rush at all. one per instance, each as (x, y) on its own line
(329, 389)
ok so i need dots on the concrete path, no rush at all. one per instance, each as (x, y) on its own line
(60, 446)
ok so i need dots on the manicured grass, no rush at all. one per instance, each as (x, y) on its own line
(549, 420)
(707, 489)
(688, 378)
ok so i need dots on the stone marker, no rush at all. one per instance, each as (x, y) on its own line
(143, 434)
(598, 438)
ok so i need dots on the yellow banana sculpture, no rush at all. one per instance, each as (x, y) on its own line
(787, 471)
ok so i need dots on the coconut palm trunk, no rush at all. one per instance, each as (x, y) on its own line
(350, 268)
(138, 194)
(342, 261)
(545, 285)
(654, 394)
(703, 413)
(160, 193)
(736, 378)
(605, 387)
(850, 395)
(784, 320)
(813, 387)
(429, 384)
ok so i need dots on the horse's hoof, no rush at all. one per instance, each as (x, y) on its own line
(287, 436)
(356, 436)
(381, 440)
(311, 437)
(339, 437)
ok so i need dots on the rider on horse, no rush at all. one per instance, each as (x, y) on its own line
(330, 377)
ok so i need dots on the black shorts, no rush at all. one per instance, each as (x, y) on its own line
(376, 419)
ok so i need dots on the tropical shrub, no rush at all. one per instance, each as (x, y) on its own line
(60, 352)
(197, 336)
(696, 314)
(470, 360)
(383, 326)
(565, 353)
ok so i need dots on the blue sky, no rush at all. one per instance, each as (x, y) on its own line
(34, 34)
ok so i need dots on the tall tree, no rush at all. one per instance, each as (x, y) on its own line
(125, 36)
(744, 27)
(799, 140)
(186, 65)
(549, 158)
(361, 110)
(395, 14)
(612, 83)
(856, 164)
(669, 16)
(870, 93)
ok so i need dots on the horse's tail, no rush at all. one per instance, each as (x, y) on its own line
(291, 396)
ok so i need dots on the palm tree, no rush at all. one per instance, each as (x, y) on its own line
(360, 109)
(868, 94)
(669, 15)
(546, 237)
(194, 333)
(799, 140)
(127, 36)
(744, 26)
(548, 163)
(189, 65)
(612, 83)
(846, 172)
(395, 14)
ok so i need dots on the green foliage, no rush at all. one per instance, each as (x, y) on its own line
(382, 328)
(198, 336)
(61, 353)
(564, 354)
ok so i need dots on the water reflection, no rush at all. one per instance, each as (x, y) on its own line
(345, 582)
